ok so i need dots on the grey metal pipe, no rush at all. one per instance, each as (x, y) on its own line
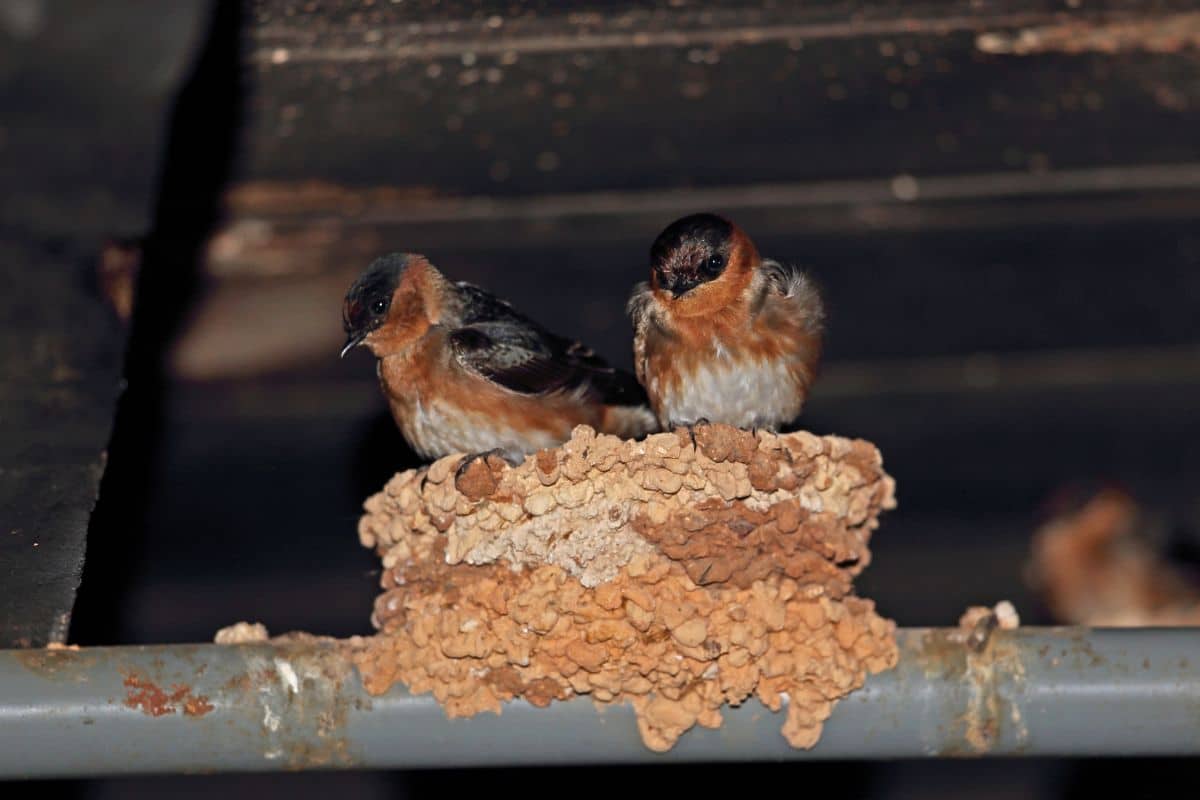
(124, 710)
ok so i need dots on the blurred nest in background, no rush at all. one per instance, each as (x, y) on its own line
(1108, 564)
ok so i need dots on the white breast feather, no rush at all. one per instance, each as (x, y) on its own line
(748, 393)
(435, 431)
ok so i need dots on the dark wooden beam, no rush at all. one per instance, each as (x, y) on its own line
(86, 89)
(61, 359)
(523, 100)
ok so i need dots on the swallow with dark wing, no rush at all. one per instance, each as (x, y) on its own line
(721, 334)
(465, 372)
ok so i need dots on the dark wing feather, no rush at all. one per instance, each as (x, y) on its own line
(509, 349)
(511, 356)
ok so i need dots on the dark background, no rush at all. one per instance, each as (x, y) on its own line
(1008, 243)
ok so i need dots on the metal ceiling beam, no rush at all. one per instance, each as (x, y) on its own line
(1032, 692)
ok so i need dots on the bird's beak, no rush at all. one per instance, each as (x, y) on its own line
(354, 340)
(677, 282)
(681, 284)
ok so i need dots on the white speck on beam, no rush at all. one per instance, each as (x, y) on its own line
(288, 675)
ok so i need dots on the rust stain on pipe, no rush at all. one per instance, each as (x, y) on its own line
(989, 711)
(57, 663)
(971, 657)
(151, 699)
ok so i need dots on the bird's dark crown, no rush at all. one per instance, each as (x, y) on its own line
(370, 296)
(691, 251)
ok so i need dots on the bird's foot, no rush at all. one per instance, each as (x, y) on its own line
(511, 457)
(692, 426)
(474, 476)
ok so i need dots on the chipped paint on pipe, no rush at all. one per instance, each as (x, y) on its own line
(128, 710)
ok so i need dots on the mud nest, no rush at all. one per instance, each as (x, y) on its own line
(678, 573)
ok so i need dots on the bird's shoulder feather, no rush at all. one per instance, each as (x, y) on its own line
(499, 343)
(791, 285)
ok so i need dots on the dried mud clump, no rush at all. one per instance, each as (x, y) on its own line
(243, 633)
(678, 573)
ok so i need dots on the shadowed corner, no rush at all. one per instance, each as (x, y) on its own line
(204, 127)
(379, 453)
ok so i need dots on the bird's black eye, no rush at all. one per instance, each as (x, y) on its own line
(714, 264)
(379, 306)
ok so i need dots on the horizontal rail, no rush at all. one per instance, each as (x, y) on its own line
(189, 708)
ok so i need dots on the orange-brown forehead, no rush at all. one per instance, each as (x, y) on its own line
(354, 314)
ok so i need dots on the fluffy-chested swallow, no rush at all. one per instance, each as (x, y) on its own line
(465, 372)
(721, 334)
